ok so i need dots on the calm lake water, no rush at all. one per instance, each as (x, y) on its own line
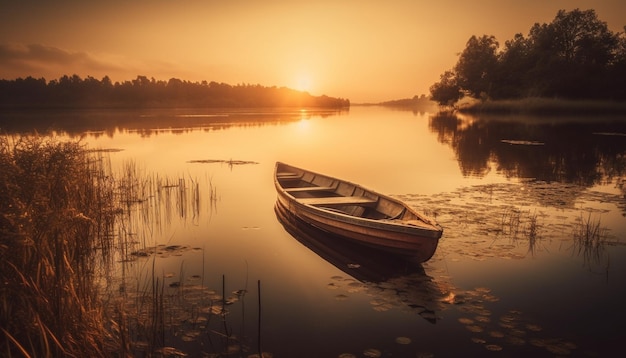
(532, 260)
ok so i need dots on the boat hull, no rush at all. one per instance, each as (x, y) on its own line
(393, 236)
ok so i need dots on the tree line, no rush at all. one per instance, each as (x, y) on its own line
(76, 92)
(575, 56)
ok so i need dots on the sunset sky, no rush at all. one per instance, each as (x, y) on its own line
(364, 50)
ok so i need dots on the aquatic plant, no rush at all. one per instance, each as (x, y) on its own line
(510, 222)
(55, 219)
(589, 239)
(532, 232)
(67, 223)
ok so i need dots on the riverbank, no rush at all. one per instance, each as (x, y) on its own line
(545, 106)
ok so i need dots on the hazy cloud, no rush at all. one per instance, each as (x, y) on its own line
(37, 60)
(40, 60)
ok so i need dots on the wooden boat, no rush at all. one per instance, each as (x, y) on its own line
(356, 213)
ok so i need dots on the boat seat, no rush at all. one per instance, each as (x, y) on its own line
(339, 201)
(311, 188)
(288, 176)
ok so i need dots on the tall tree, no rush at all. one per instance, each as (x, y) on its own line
(447, 91)
(575, 56)
(583, 47)
(581, 38)
(476, 66)
(514, 62)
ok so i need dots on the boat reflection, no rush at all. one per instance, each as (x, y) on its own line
(393, 281)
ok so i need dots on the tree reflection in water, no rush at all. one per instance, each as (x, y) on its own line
(583, 151)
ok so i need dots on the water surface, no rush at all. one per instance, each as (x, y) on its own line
(512, 275)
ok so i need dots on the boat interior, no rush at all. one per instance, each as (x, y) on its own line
(333, 194)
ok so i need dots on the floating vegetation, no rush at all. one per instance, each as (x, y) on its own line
(380, 305)
(512, 328)
(162, 251)
(105, 150)
(230, 162)
(554, 345)
(250, 228)
(480, 222)
(372, 353)
(403, 340)
(533, 327)
(616, 134)
(521, 142)
(474, 328)
(169, 320)
(493, 347)
(355, 286)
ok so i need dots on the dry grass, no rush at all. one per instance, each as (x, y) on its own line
(67, 221)
(54, 213)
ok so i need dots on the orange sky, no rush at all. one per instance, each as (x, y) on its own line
(364, 50)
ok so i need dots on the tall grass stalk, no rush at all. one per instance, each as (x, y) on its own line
(589, 239)
(55, 220)
(68, 223)
(532, 233)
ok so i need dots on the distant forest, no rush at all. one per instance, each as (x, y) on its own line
(416, 101)
(574, 57)
(76, 92)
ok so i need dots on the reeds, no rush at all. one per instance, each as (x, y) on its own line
(55, 212)
(518, 225)
(68, 226)
(589, 239)
(532, 233)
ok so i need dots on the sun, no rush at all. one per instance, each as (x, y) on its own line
(303, 83)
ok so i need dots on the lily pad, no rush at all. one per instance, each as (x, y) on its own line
(372, 353)
(403, 340)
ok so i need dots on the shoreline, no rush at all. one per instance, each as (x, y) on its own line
(545, 106)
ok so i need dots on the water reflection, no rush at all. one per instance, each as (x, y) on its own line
(391, 280)
(518, 255)
(585, 152)
(147, 122)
